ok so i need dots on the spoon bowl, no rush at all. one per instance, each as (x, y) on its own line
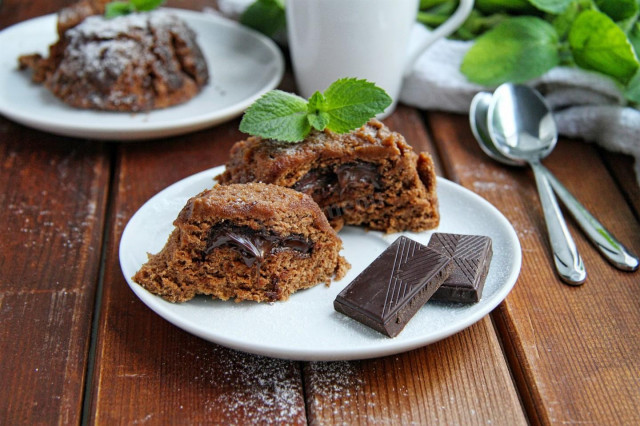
(478, 113)
(522, 128)
(608, 246)
(521, 124)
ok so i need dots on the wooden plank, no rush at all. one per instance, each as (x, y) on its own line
(573, 350)
(621, 167)
(176, 377)
(464, 379)
(53, 192)
(14, 11)
(461, 380)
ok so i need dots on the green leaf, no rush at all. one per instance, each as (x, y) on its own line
(427, 4)
(277, 115)
(597, 43)
(563, 22)
(618, 10)
(551, 6)
(516, 50)
(632, 91)
(493, 6)
(121, 8)
(634, 37)
(146, 5)
(265, 16)
(316, 111)
(350, 103)
(117, 8)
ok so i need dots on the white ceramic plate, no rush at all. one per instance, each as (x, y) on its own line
(306, 327)
(243, 65)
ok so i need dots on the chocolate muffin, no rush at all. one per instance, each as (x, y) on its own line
(136, 62)
(247, 242)
(369, 177)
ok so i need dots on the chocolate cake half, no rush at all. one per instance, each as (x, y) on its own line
(247, 242)
(369, 177)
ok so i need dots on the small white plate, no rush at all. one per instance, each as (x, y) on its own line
(243, 65)
(306, 327)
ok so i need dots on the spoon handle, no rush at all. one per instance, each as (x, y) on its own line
(607, 244)
(565, 253)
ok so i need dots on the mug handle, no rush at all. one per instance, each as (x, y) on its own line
(448, 27)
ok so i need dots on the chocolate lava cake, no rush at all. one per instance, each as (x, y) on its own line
(369, 177)
(135, 62)
(247, 242)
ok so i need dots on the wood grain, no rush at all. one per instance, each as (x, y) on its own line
(621, 168)
(14, 11)
(461, 380)
(571, 348)
(53, 192)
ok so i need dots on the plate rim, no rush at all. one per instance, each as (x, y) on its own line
(323, 354)
(136, 131)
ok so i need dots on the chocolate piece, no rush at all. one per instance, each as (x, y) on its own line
(471, 255)
(388, 293)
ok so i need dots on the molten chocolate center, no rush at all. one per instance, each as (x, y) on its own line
(255, 246)
(320, 183)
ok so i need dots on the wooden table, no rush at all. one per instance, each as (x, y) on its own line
(77, 346)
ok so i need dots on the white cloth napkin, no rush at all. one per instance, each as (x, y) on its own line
(586, 105)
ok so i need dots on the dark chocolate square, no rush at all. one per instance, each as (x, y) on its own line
(388, 293)
(471, 255)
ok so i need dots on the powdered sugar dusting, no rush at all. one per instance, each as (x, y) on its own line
(256, 389)
(104, 59)
(333, 379)
(332, 385)
(99, 27)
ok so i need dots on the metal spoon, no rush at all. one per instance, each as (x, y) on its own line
(610, 248)
(522, 128)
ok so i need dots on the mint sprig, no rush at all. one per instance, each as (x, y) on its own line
(346, 105)
(121, 8)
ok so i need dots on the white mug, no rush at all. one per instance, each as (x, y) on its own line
(332, 39)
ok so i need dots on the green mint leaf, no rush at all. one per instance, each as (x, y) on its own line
(500, 6)
(316, 111)
(117, 8)
(634, 37)
(516, 50)
(427, 4)
(121, 8)
(346, 105)
(597, 43)
(277, 115)
(265, 16)
(551, 6)
(146, 5)
(562, 22)
(350, 103)
(632, 91)
(618, 10)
